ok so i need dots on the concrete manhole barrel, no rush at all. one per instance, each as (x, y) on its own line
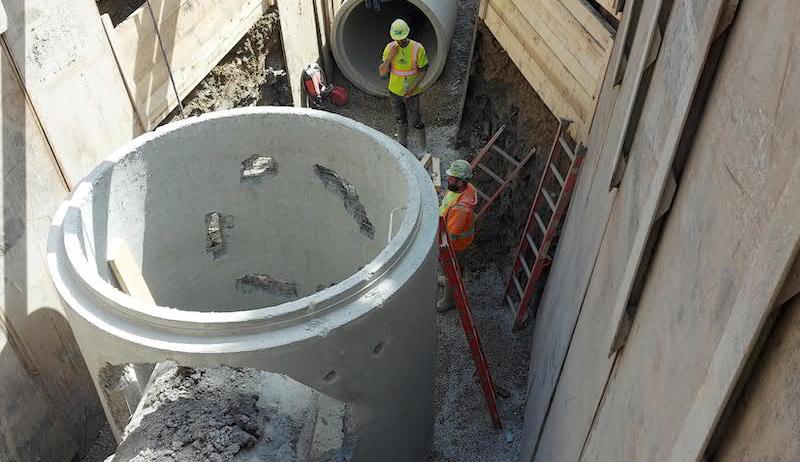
(359, 35)
(264, 237)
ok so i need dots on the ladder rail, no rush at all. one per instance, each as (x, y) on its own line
(536, 203)
(488, 203)
(558, 215)
(451, 269)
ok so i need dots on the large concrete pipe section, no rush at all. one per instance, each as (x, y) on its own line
(262, 235)
(359, 36)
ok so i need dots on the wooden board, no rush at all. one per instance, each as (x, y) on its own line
(300, 47)
(552, 96)
(196, 35)
(436, 173)
(72, 80)
(574, 84)
(40, 364)
(127, 272)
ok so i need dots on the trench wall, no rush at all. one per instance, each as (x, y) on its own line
(562, 47)
(74, 88)
(676, 248)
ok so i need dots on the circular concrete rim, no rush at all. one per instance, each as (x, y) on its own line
(349, 71)
(75, 268)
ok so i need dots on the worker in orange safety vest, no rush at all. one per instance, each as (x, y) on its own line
(458, 211)
(406, 63)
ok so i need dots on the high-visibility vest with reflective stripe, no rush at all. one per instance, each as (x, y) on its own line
(459, 217)
(411, 68)
(405, 66)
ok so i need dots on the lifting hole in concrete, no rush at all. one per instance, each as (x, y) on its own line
(258, 167)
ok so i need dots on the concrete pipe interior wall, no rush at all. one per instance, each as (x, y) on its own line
(290, 226)
(336, 307)
(360, 35)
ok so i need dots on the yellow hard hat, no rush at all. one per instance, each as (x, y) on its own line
(399, 30)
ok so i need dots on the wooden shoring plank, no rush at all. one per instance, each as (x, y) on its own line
(127, 79)
(551, 16)
(426, 160)
(551, 96)
(772, 262)
(540, 42)
(591, 20)
(196, 37)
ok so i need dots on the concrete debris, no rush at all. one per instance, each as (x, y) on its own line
(258, 167)
(215, 236)
(228, 414)
(347, 192)
(252, 282)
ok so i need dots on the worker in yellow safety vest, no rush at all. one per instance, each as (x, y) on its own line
(406, 63)
(458, 210)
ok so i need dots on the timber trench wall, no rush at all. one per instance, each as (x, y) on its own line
(674, 256)
(562, 48)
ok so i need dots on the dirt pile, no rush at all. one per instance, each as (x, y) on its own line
(223, 414)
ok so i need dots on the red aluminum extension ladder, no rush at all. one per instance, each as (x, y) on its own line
(503, 182)
(451, 269)
(537, 239)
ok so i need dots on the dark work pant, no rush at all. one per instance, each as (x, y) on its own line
(406, 110)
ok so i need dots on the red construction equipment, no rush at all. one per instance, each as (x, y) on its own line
(447, 258)
(537, 238)
(503, 182)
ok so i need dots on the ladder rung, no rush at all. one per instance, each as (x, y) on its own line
(532, 244)
(491, 174)
(506, 155)
(558, 176)
(566, 148)
(525, 265)
(549, 200)
(518, 286)
(541, 223)
(481, 193)
(510, 302)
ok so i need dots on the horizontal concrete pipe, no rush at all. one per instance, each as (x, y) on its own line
(262, 236)
(359, 36)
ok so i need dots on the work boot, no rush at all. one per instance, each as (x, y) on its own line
(446, 302)
(402, 135)
(422, 140)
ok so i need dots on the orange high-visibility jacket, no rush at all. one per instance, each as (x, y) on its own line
(458, 210)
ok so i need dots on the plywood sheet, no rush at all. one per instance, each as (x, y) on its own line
(721, 252)
(72, 79)
(33, 330)
(196, 35)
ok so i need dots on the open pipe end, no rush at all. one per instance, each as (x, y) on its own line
(360, 35)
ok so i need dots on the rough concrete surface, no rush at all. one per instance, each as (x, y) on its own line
(225, 414)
